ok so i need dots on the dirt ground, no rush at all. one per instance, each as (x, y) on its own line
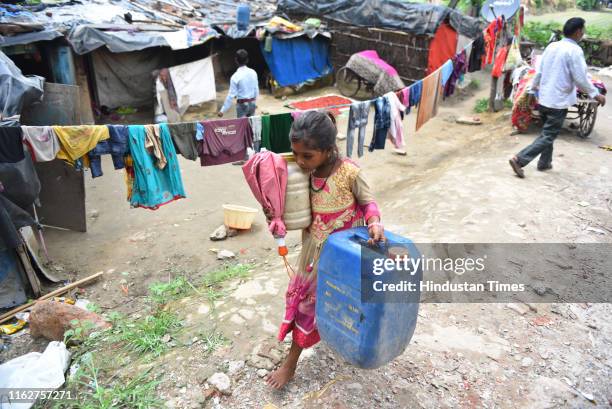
(454, 185)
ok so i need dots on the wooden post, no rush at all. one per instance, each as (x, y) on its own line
(493, 94)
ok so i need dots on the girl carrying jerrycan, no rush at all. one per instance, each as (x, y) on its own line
(340, 199)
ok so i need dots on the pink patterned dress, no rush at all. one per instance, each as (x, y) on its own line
(342, 201)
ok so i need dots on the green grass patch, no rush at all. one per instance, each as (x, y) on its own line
(146, 335)
(90, 392)
(162, 293)
(213, 340)
(228, 272)
(482, 105)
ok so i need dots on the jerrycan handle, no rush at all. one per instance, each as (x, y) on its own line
(361, 237)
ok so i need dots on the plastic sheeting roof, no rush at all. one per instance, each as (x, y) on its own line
(95, 23)
(420, 19)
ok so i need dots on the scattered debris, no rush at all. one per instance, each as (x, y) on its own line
(219, 234)
(596, 230)
(221, 382)
(235, 366)
(467, 120)
(541, 321)
(526, 362)
(520, 308)
(225, 254)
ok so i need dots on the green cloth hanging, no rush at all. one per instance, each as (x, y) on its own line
(275, 132)
(280, 126)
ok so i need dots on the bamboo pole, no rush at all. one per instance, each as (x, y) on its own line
(11, 313)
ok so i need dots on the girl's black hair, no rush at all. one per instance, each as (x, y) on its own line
(317, 130)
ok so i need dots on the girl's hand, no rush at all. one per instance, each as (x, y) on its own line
(377, 233)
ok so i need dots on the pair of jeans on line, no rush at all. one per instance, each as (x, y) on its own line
(245, 109)
(358, 118)
(543, 145)
(382, 123)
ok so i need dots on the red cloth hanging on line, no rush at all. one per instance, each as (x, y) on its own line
(442, 48)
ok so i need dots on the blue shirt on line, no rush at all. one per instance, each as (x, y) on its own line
(243, 85)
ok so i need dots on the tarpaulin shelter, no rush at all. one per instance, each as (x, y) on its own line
(110, 48)
(409, 36)
(296, 60)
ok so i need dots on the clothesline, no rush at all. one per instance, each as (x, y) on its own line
(148, 153)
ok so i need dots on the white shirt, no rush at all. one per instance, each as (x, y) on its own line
(562, 68)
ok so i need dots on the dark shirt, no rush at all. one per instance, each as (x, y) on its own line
(225, 141)
(11, 145)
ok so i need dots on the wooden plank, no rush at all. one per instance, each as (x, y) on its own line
(7, 316)
(29, 270)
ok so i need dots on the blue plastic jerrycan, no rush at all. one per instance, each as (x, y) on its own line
(365, 322)
(243, 16)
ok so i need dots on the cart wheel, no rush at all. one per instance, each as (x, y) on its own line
(348, 82)
(587, 119)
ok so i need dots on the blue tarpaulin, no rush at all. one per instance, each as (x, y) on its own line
(297, 60)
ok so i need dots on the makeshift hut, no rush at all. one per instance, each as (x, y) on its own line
(414, 38)
(110, 49)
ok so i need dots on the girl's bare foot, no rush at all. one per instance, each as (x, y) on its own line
(281, 376)
(284, 374)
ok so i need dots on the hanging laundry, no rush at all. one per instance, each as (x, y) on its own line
(396, 130)
(11, 145)
(183, 135)
(225, 141)
(265, 132)
(468, 53)
(275, 132)
(382, 123)
(447, 71)
(478, 52)
(255, 122)
(116, 145)
(428, 107)
(514, 58)
(129, 175)
(358, 119)
(153, 187)
(500, 61)
(77, 141)
(415, 94)
(42, 142)
(459, 68)
(199, 131)
(154, 145)
(490, 39)
(404, 96)
(462, 43)
(194, 83)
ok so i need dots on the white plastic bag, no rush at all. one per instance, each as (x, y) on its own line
(35, 370)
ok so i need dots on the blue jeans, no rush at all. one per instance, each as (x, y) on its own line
(116, 146)
(245, 109)
(543, 145)
(358, 118)
(382, 123)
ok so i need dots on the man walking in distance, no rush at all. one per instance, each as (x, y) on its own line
(244, 87)
(561, 70)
